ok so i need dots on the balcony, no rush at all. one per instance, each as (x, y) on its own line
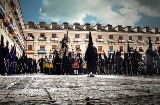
(147, 41)
(111, 40)
(42, 38)
(2, 11)
(86, 40)
(110, 51)
(121, 41)
(130, 41)
(99, 40)
(157, 41)
(30, 52)
(11, 28)
(77, 40)
(29, 38)
(140, 41)
(41, 51)
(100, 52)
(54, 39)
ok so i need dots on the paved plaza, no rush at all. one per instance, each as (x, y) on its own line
(79, 89)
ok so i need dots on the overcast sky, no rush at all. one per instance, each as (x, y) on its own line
(115, 12)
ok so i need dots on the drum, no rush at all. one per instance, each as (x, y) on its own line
(48, 65)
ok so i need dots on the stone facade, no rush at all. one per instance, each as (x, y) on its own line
(104, 38)
(12, 25)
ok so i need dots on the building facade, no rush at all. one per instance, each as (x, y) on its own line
(12, 24)
(42, 38)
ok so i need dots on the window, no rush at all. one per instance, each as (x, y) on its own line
(121, 48)
(120, 37)
(76, 35)
(110, 47)
(99, 36)
(42, 34)
(77, 47)
(87, 36)
(29, 47)
(99, 48)
(54, 46)
(54, 36)
(130, 37)
(139, 37)
(110, 36)
(157, 38)
(42, 47)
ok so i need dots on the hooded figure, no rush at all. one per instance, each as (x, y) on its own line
(91, 56)
(150, 56)
(2, 56)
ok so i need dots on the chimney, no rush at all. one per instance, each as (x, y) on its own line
(98, 26)
(128, 28)
(31, 24)
(76, 25)
(54, 24)
(155, 30)
(65, 25)
(118, 28)
(87, 26)
(137, 29)
(146, 29)
(108, 28)
(42, 24)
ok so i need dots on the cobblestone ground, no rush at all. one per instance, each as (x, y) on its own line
(74, 90)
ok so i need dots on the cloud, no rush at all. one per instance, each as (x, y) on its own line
(115, 12)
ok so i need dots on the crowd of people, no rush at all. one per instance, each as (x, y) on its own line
(71, 63)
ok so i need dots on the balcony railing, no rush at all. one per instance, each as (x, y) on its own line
(11, 28)
(121, 41)
(77, 39)
(86, 40)
(148, 41)
(30, 51)
(54, 39)
(28, 38)
(157, 41)
(41, 51)
(130, 41)
(111, 51)
(140, 41)
(100, 52)
(2, 11)
(42, 39)
(99, 40)
(111, 40)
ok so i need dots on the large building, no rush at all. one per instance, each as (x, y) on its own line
(42, 38)
(12, 24)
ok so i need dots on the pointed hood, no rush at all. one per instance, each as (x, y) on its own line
(7, 44)
(12, 50)
(90, 40)
(150, 44)
(15, 50)
(2, 39)
(23, 55)
(105, 57)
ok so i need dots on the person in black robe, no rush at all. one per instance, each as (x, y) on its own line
(57, 61)
(91, 57)
(2, 57)
(65, 64)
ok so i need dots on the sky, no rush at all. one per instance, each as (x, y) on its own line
(115, 12)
